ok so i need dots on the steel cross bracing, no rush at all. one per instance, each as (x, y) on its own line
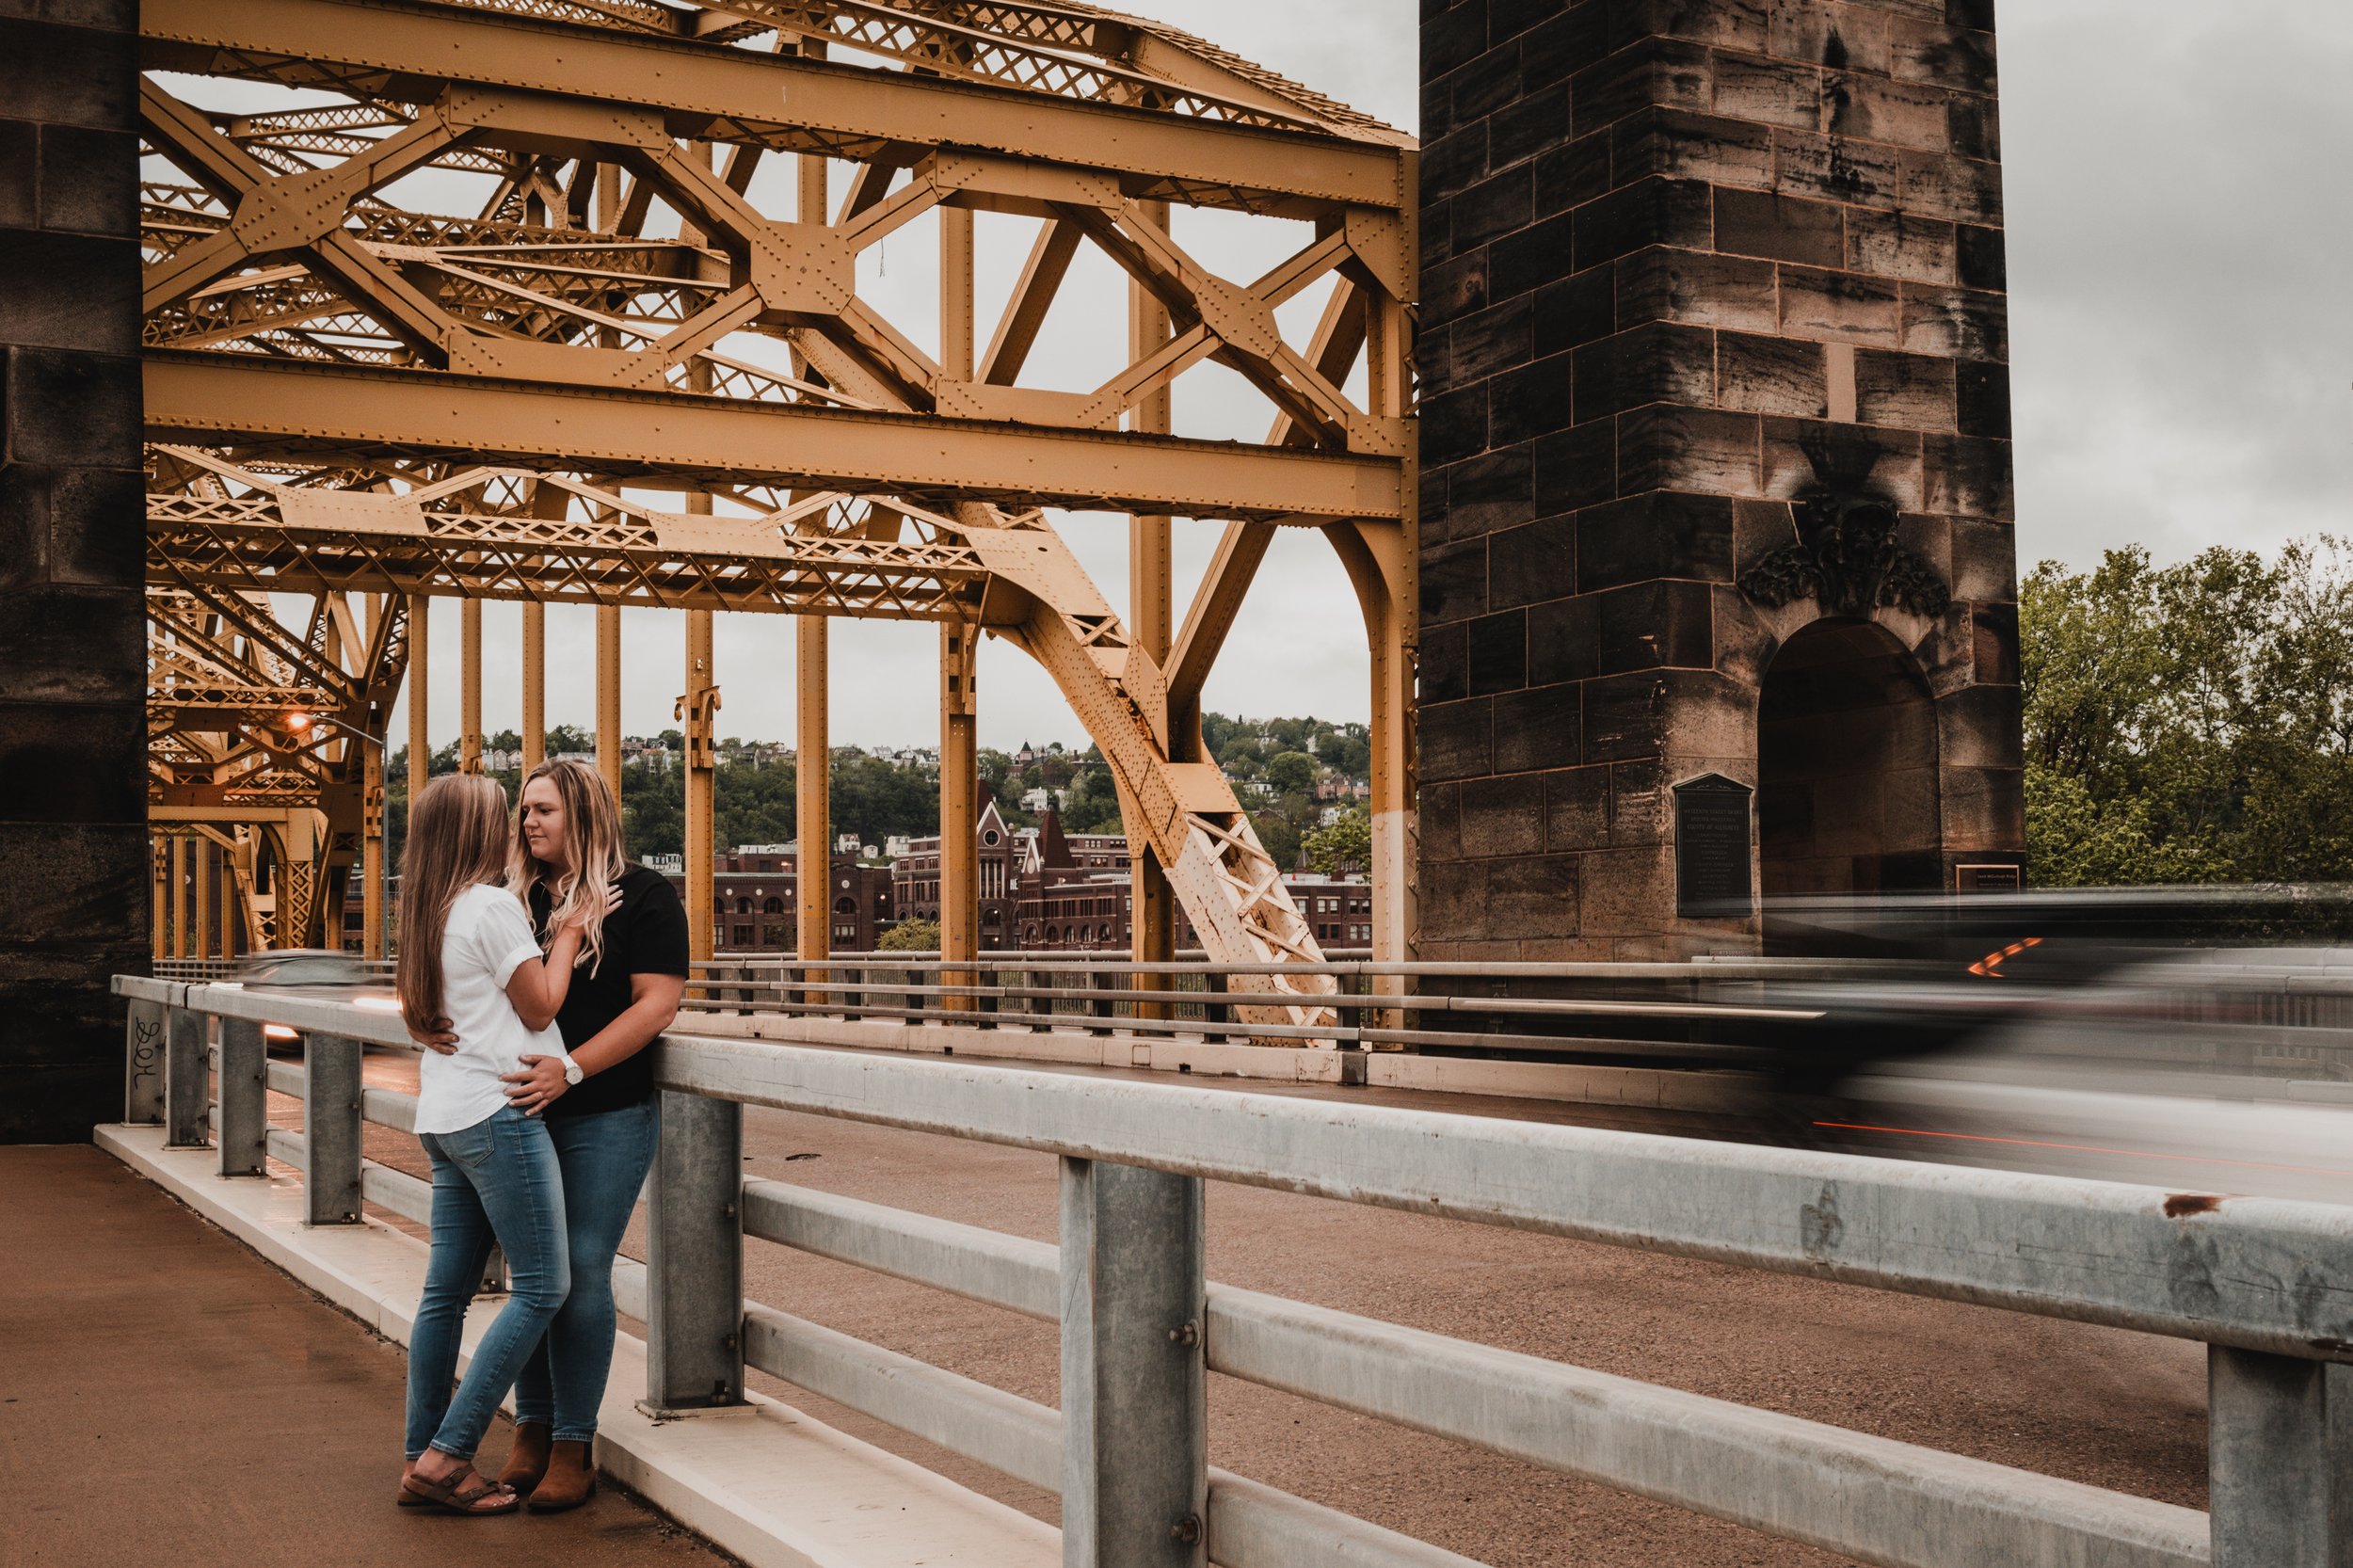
(350, 395)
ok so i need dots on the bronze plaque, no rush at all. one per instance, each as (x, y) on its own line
(1715, 870)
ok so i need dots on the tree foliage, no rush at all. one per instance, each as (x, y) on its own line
(910, 936)
(1344, 846)
(2191, 723)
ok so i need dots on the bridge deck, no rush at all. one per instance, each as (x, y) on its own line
(171, 1398)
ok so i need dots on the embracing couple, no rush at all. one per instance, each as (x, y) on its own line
(535, 964)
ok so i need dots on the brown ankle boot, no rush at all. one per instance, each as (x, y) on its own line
(527, 1461)
(570, 1480)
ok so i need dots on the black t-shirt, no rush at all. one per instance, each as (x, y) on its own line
(647, 934)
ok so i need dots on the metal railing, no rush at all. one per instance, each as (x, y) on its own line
(2266, 1284)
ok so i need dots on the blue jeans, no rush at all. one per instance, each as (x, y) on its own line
(605, 1158)
(496, 1179)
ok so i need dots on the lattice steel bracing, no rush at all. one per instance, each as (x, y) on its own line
(510, 272)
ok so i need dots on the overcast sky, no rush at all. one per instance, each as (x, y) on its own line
(2182, 343)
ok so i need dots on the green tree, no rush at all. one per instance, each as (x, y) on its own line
(1345, 845)
(1291, 773)
(1279, 837)
(909, 937)
(2190, 722)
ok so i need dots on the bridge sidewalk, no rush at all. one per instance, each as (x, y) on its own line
(171, 1398)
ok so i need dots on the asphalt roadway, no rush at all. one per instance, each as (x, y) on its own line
(2097, 1405)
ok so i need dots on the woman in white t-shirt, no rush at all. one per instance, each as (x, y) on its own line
(469, 966)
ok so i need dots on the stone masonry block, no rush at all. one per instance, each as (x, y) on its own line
(1454, 582)
(1498, 653)
(1453, 423)
(70, 291)
(1491, 341)
(1530, 563)
(1663, 534)
(1560, 40)
(1491, 491)
(1781, 228)
(1540, 727)
(1573, 174)
(1454, 288)
(1655, 72)
(1979, 258)
(90, 180)
(1969, 477)
(1691, 286)
(1770, 92)
(1440, 812)
(1957, 324)
(1456, 739)
(1982, 392)
(1837, 169)
(1656, 625)
(1650, 212)
(1534, 400)
(73, 645)
(1532, 898)
(75, 762)
(1906, 114)
(1576, 808)
(1737, 24)
(1771, 376)
(1985, 560)
(1819, 32)
(1963, 189)
(1496, 206)
(1577, 467)
(20, 174)
(1563, 641)
(1906, 390)
(1899, 245)
(1577, 311)
(1521, 130)
(1840, 307)
(1894, 473)
(1443, 673)
(69, 75)
(1625, 716)
(1683, 145)
(72, 882)
(1503, 815)
(1933, 52)
(1660, 362)
(1668, 448)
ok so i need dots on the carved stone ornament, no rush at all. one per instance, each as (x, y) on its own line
(1845, 558)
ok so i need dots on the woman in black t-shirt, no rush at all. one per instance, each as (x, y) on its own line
(598, 1099)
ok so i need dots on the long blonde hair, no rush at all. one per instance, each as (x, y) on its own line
(457, 841)
(592, 842)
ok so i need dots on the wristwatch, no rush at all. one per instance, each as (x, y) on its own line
(571, 1069)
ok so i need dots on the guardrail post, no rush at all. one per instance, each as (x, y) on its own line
(2269, 1461)
(186, 1074)
(1135, 1447)
(143, 1064)
(331, 1130)
(694, 1257)
(244, 1130)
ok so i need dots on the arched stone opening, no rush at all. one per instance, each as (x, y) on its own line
(1847, 766)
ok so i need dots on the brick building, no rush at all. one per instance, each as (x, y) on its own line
(1074, 892)
(915, 876)
(1716, 467)
(753, 890)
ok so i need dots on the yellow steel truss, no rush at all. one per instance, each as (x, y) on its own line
(367, 404)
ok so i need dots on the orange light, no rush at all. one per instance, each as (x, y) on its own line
(297, 720)
(279, 1032)
(1991, 965)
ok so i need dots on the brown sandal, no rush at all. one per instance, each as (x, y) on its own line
(453, 1496)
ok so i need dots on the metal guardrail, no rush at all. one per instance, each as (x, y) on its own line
(2266, 1284)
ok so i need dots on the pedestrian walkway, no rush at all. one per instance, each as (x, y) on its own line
(166, 1397)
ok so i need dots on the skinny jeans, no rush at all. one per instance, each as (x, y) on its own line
(604, 1155)
(497, 1182)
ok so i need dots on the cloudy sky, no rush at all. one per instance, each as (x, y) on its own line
(2178, 229)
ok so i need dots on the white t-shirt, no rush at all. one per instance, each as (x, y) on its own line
(488, 937)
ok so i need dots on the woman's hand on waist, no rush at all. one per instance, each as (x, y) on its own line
(439, 1038)
(537, 1085)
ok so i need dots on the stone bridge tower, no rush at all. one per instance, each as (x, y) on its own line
(1718, 589)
